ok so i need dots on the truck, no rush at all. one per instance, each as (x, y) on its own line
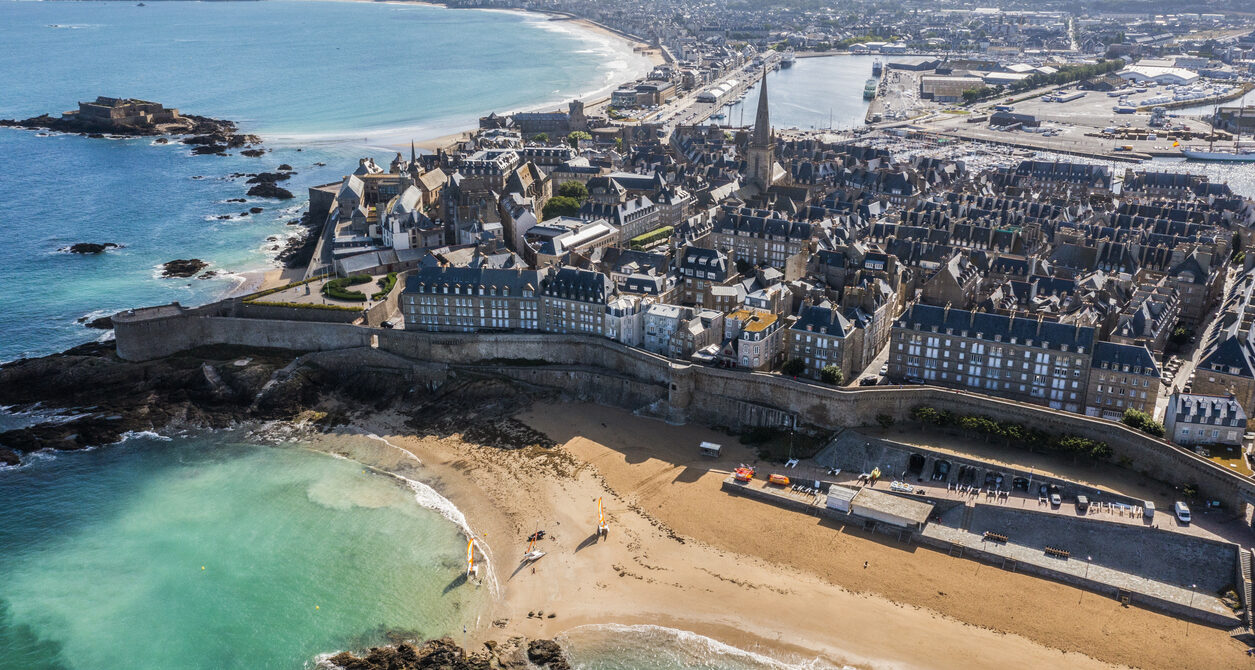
(1003, 108)
(1069, 97)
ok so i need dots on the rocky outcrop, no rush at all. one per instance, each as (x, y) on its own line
(89, 247)
(547, 654)
(210, 387)
(99, 323)
(269, 189)
(186, 124)
(299, 249)
(183, 267)
(444, 654)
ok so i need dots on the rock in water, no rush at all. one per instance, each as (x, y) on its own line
(101, 323)
(263, 177)
(268, 189)
(89, 247)
(253, 153)
(183, 267)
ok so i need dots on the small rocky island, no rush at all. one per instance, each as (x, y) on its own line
(129, 117)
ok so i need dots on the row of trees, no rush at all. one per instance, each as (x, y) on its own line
(1066, 75)
(1014, 433)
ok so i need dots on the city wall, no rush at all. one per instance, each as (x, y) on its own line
(598, 368)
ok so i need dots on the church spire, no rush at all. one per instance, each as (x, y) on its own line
(413, 158)
(762, 121)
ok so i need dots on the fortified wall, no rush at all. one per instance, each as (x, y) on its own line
(601, 369)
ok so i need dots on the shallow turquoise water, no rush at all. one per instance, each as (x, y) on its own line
(209, 552)
(644, 647)
(337, 80)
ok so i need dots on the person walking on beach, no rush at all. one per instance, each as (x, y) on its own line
(864, 565)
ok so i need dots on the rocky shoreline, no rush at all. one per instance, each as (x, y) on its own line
(516, 653)
(100, 398)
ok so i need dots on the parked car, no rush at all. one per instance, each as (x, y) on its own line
(884, 369)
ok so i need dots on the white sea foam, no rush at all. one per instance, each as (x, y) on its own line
(688, 646)
(142, 434)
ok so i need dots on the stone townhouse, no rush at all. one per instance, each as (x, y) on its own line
(625, 320)
(1193, 418)
(465, 299)
(701, 270)
(1121, 376)
(574, 301)
(1148, 317)
(1027, 360)
(757, 339)
(1227, 367)
(822, 336)
(661, 322)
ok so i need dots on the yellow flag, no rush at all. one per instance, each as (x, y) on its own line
(1176, 144)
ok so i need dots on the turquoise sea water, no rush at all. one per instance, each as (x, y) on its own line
(211, 552)
(336, 80)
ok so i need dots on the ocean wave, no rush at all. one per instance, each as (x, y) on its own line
(144, 435)
(648, 646)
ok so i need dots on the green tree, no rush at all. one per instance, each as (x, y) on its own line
(793, 367)
(1142, 421)
(574, 138)
(1180, 335)
(884, 420)
(560, 206)
(574, 189)
(831, 374)
(543, 138)
(925, 414)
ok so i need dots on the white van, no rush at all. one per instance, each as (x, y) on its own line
(1182, 511)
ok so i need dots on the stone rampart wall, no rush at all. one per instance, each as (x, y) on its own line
(710, 395)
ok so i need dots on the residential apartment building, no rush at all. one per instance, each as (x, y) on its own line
(758, 338)
(574, 301)
(625, 320)
(465, 299)
(764, 238)
(701, 270)
(1027, 360)
(1194, 418)
(1121, 376)
(820, 337)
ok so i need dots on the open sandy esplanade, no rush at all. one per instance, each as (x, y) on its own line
(682, 553)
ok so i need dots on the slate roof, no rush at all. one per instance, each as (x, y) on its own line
(986, 326)
(433, 279)
(1117, 356)
(822, 319)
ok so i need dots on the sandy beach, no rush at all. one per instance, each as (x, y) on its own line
(683, 554)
